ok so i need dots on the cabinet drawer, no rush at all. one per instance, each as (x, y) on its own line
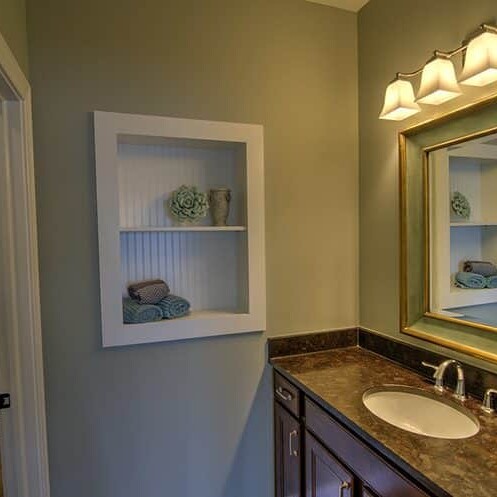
(287, 394)
(368, 466)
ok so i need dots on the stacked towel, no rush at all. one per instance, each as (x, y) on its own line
(148, 292)
(470, 280)
(174, 307)
(134, 313)
(484, 268)
(492, 281)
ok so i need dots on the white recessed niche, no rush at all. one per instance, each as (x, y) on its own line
(140, 160)
(469, 168)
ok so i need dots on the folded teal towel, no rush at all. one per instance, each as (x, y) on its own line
(134, 313)
(470, 280)
(492, 281)
(173, 307)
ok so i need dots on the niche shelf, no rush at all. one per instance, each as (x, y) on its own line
(140, 160)
(471, 224)
(179, 229)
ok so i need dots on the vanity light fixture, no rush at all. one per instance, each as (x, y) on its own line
(399, 101)
(480, 66)
(438, 77)
(438, 81)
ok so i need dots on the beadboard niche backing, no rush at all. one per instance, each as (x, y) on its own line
(140, 160)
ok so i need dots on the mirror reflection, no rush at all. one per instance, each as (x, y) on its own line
(463, 230)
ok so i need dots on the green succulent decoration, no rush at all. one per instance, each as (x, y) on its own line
(460, 205)
(187, 204)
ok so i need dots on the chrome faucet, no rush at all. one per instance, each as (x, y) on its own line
(487, 401)
(439, 374)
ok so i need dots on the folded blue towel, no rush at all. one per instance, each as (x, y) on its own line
(470, 280)
(134, 313)
(173, 307)
(492, 281)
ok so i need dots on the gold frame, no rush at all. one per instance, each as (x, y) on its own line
(404, 135)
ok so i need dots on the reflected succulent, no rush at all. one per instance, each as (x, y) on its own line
(460, 205)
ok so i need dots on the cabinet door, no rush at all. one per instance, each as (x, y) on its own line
(287, 453)
(325, 476)
(366, 464)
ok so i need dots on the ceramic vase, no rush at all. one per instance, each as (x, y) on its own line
(219, 202)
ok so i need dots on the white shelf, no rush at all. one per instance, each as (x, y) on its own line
(212, 322)
(193, 315)
(463, 297)
(161, 229)
(470, 224)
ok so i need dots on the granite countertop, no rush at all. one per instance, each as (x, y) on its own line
(336, 380)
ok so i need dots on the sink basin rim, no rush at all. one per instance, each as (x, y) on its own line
(415, 391)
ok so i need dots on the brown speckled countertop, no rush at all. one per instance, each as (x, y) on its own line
(337, 379)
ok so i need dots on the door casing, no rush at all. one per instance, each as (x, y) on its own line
(23, 426)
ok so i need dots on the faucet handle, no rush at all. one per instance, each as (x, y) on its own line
(432, 366)
(437, 375)
(487, 401)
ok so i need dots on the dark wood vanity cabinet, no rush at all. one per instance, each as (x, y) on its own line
(316, 456)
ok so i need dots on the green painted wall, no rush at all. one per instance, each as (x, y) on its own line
(193, 418)
(398, 36)
(13, 29)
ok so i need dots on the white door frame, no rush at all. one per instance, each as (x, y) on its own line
(26, 462)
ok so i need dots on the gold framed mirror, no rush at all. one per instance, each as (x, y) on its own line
(448, 199)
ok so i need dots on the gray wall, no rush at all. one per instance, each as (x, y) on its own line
(13, 29)
(193, 418)
(397, 36)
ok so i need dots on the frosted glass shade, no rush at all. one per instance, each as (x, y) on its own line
(399, 101)
(480, 66)
(438, 83)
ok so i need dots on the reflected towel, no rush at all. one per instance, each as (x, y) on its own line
(174, 307)
(492, 281)
(484, 268)
(134, 313)
(470, 280)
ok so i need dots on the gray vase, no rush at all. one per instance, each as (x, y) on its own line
(219, 202)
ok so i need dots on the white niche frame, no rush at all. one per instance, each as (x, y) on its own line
(109, 127)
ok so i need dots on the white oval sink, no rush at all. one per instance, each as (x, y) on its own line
(421, 412)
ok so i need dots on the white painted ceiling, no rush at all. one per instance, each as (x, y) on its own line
(353, 5)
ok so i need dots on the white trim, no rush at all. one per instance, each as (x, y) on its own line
(26, 339)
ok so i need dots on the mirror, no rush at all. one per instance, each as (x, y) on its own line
(463, 230)
(448, 239)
